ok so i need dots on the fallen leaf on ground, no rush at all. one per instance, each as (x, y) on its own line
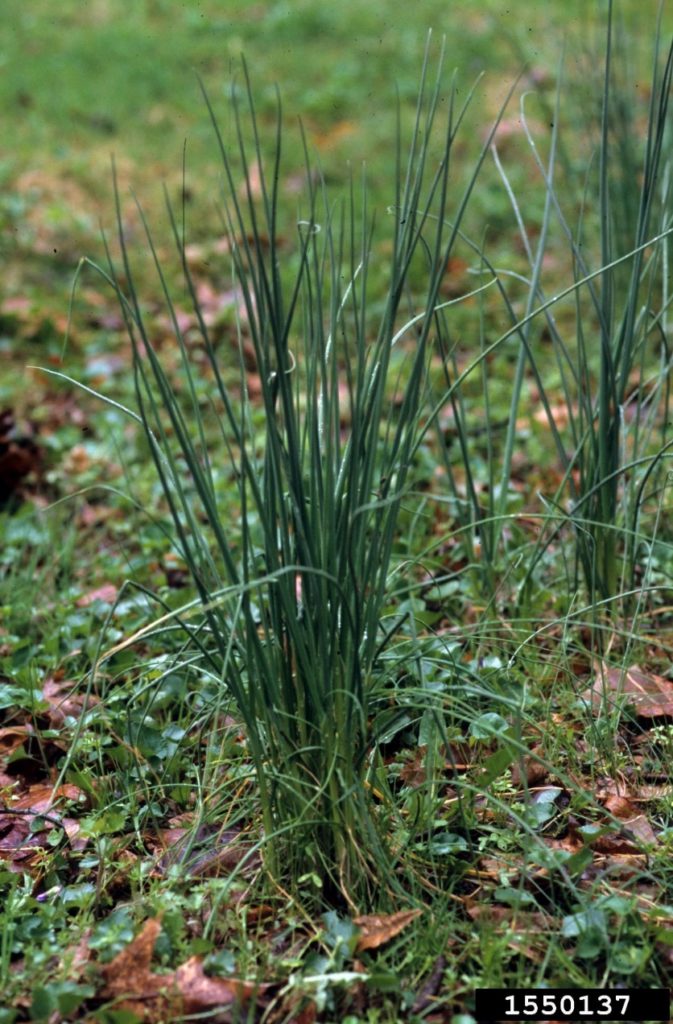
(41, 798)
(651, 695)
(209, 852)
(626, 868)
(413, 772)
(129, 973)
(199, 992)
(645, 794)
(63, 702)
(13, 737)
(30, 758)
(534, 772)
(425, 996)
(635, 830)
(151, 996)
(106, 593)
(375, 929)
(21, 849)
(494, 868)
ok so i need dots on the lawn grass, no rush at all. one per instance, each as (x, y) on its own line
(529, 820)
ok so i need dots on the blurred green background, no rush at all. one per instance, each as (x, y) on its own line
(82, 81)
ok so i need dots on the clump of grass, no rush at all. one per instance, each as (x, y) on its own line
(293, 595)
(615, 387)
(601, 378)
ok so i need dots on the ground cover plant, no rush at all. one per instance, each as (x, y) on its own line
(335, 650)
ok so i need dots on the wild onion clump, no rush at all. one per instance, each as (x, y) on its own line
(293, 589)
(292, 597)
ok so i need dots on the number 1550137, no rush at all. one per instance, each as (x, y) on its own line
(572, 1004)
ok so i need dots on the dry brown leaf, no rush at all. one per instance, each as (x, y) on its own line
(618, 866)
(14, 830)
(199, 992)
(129, 973)
(77, 461)
(217, 305)
(494, 868)
(12, 737)
(376, 929)
(431, 987)
(618, 805)
(19, 849)
(651, 695)
(30, 757)
(413, 772)
(534, 771)
(571, 843)
(72, 829)
(307, 1015)
(63, 701)
(209, 852)
(151, 996)
(645, 794)
(635, 831)
(107, 593)
(41, 798)
(459, 757)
